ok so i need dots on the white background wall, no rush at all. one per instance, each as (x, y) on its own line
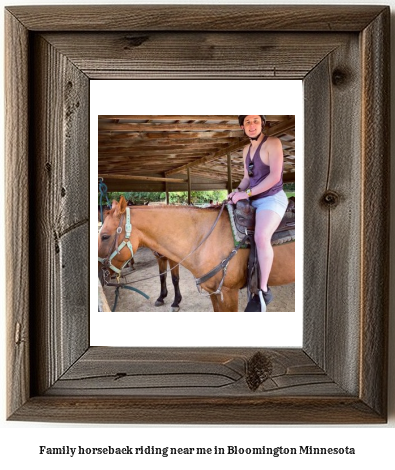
(19, 442)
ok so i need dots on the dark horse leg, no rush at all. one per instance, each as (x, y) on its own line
(162, 263)
(175, 277)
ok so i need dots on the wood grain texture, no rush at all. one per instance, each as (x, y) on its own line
(188, 372)
(192, 386)
(194, 55)
(333, 191)
(198, 410)
(339, 376)
(375, 211)
(317, 152)
(192, 17)
(61, 204)
(17, 212)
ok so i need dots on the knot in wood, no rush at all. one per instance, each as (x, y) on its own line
(259, 369)
(340, 77)
(330, 199)
(135, 41)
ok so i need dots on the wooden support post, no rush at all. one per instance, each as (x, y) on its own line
(167, 193)
(229, 162)
(189, 186)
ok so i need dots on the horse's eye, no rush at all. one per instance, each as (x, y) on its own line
(105, 237)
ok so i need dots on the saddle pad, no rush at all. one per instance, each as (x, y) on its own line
(284, 236)
(238, 235)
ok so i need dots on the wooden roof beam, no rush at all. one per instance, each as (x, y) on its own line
(166, 127)
(209, 158)
(178, 126)
(195, 117)
(272, 131)
(141, 178)
(162, 149)
(109, 136)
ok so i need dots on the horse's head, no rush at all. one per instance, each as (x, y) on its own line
(115, 244)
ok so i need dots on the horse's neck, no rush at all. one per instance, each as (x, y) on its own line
(172, 231)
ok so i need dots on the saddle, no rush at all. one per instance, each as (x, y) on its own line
(242, 219)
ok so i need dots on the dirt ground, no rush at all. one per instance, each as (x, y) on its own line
(146, 266)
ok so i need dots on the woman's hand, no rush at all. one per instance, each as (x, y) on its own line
(230, 195)
(237, 196)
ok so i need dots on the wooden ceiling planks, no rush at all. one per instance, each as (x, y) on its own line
(150, 153)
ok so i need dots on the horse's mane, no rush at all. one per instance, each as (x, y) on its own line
(177, 208)
(162, 207)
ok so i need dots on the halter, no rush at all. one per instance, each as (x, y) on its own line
(126, 242)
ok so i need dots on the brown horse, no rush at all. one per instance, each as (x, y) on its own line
(163, 264)
(176, 231)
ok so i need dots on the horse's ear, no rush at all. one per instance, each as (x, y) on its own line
(122, 205)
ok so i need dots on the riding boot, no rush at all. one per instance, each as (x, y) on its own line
(259, 301)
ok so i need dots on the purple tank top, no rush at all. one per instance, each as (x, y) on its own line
(260, 172)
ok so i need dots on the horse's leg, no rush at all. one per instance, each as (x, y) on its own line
(227, 301)
(162, 263)
(175, 277)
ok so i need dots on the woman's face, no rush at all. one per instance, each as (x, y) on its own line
(252, 125)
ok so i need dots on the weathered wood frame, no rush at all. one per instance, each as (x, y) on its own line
(340, 374)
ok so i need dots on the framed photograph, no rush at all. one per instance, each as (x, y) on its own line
(149, 150)
(339, 375)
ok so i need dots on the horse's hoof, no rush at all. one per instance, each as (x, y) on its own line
(158, 303)
(175, 309)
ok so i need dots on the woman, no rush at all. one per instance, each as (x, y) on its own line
(263, 185)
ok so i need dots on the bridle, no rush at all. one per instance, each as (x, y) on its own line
(115, 249)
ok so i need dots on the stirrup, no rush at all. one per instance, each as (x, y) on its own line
(262, 300)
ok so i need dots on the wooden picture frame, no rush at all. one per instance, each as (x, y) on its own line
(340, 373)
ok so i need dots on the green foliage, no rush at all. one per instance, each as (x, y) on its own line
(176, 197)
(136, 198)
(198, 197)
(181, 197)
(141, 198)
(289, 187)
